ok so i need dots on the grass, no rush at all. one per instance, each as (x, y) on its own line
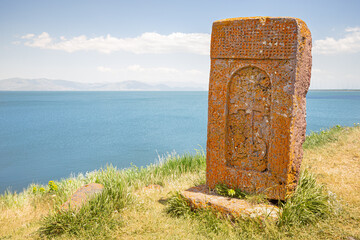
(102, 214)
(326, 204)
(325, 136)
(224, 190)
(178, 206)
(309, 204)
(95, 217)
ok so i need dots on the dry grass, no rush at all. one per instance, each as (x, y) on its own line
(335, 164)
(21, 222)
(146, 218)
(338, 166)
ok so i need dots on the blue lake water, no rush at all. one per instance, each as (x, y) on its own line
(49, 135)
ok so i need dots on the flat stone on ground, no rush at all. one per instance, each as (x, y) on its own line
(82, 195)
(201, 197)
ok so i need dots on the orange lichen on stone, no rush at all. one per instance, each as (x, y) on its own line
(82, 195)
(201, 197)
(260, 74)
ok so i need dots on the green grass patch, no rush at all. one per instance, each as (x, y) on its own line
(318, 139)
(96, 217)
(103, 213)
(171, 166)
(213, 225)
(224, 190)
(178, 206)
(210, 223)
(309, 204)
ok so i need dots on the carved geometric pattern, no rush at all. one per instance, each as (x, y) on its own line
(249, 39)
(248, 119)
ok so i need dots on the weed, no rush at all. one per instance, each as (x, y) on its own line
(318, 139)
(210, 221)
(99, 213)
(52, 186)
(308, 204)
(177, 206)
(256, 198)
(95, 216)
(224, 190)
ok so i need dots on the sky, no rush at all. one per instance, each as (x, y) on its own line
(161, 42)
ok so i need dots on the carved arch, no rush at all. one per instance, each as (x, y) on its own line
(248, 107)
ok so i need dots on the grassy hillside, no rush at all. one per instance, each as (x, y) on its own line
(328, 208)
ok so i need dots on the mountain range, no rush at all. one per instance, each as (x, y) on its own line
(44, 84)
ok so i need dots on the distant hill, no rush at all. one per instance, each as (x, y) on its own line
(43, 84)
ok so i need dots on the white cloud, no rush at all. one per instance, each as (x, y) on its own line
(28, 36)
(138, 68)
(195, 72)
(352, 29)
(103, 69)
(150, 42)
(348, 44)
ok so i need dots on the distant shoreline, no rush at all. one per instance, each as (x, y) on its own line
(50, 85)
(333, 90)
(310, 90)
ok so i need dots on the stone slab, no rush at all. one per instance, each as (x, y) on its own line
(259, 78)
(202, 197)
(82, 195)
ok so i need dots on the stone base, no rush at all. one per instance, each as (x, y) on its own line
(202, 197)
(81, 196)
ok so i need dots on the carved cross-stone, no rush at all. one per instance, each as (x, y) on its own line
(248, 110)
(260, 74)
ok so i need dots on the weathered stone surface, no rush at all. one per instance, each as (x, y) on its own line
(82, 195)
(201, 197)
(260, 74)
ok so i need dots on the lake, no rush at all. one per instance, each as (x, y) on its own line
(49, 135)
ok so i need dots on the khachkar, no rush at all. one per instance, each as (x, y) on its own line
(260, 74)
